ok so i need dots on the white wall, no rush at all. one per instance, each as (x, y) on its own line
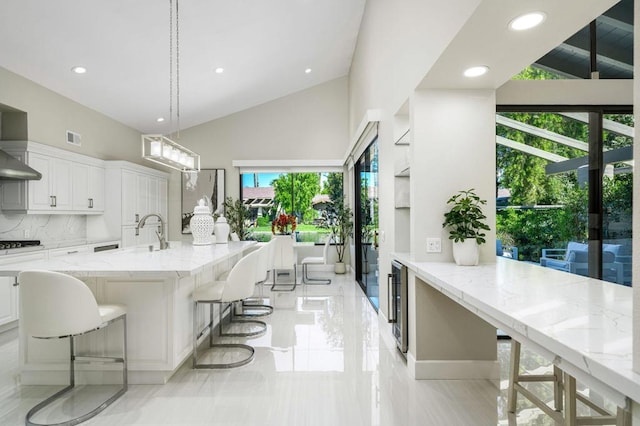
(565, 92)
(311, 124)
(453, 149)
(397, 44)
(50, 115)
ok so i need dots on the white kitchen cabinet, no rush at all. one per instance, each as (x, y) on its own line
(96, 189)
(71, 183)
(9, 302)
(68, 251)
(134, 191)
(88, 188)
(53, 191)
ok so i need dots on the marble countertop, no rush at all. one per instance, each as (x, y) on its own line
(584, 325)
(181, 259)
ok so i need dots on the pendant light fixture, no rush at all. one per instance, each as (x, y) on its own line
(159, 148)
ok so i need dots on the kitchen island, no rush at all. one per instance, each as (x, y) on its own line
(156, 287)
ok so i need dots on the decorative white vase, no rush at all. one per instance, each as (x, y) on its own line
(221, 230)
(201, 225)
(466, 253)
(340, 268)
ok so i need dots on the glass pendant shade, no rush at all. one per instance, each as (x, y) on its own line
(162, 150)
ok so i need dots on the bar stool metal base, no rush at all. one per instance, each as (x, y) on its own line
(312, 281)
(262, 310)
(72, 383)
(275, 281)
(209, 326)
(239, 363)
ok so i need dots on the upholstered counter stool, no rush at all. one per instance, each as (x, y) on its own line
(565, 396)
(316, 261)
(238, 285)
(55, 305)
(255, 306)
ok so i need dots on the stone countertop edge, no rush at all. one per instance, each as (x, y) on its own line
(612, 368)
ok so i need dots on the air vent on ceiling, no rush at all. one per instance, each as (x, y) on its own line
(73, 138)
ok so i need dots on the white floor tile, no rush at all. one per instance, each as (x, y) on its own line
(320, 362)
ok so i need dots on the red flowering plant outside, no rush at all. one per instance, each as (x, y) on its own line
(282, 222)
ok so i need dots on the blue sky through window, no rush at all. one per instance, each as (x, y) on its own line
(264, 179)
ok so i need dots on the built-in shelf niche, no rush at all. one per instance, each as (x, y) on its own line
(404, 138)
(402, 181)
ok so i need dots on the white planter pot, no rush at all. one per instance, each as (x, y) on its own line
(466, 253)
(340, 268)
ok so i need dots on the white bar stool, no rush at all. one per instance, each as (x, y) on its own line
(238, 286)
(254, 306)
(56, 305)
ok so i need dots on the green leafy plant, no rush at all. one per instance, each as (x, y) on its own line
(464, 220)
(238, 217)
(342, 229)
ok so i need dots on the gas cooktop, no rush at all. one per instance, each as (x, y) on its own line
(19, 244)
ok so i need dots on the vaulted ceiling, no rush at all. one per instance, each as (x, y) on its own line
(264, 48)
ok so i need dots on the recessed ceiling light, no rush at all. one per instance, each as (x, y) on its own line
(219, 70)
(160, 119)
(79, 70)
(307, 71)
(476, 71)
(527, 21)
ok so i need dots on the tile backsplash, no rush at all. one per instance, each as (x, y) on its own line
(46, 228)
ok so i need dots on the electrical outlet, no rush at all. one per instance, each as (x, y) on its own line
(27, 233)
(434, 245)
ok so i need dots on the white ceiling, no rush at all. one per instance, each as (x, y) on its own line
(487, 40)
(264, 47)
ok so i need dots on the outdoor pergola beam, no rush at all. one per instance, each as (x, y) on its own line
(549, 156)
(565, 47)
(542, 133)
(613, 156)
(610, 125)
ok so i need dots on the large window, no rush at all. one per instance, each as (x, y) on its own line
(310, 197)
(564, 188)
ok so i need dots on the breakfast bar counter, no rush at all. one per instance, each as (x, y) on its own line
(582, 325)
(156, 287)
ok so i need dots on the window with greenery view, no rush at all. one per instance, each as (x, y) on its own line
(543, 190)
(309, 196)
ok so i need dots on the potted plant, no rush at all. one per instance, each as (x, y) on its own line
(342, 229)
(281, 224)
(237, 215)
(465, 223)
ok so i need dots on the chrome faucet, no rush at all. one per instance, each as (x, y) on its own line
(160, 232)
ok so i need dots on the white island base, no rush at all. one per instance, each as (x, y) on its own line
(155, 286)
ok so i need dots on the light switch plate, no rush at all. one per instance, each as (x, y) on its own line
(434, 245)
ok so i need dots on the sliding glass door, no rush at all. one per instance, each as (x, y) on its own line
(366, 222)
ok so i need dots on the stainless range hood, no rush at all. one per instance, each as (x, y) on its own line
(13, 169)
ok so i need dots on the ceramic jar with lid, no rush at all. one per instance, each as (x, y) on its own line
(201, 225)
(222, 230)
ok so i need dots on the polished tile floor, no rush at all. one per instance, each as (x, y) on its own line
(322, 361)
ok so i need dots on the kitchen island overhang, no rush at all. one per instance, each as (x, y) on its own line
(156, 286)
